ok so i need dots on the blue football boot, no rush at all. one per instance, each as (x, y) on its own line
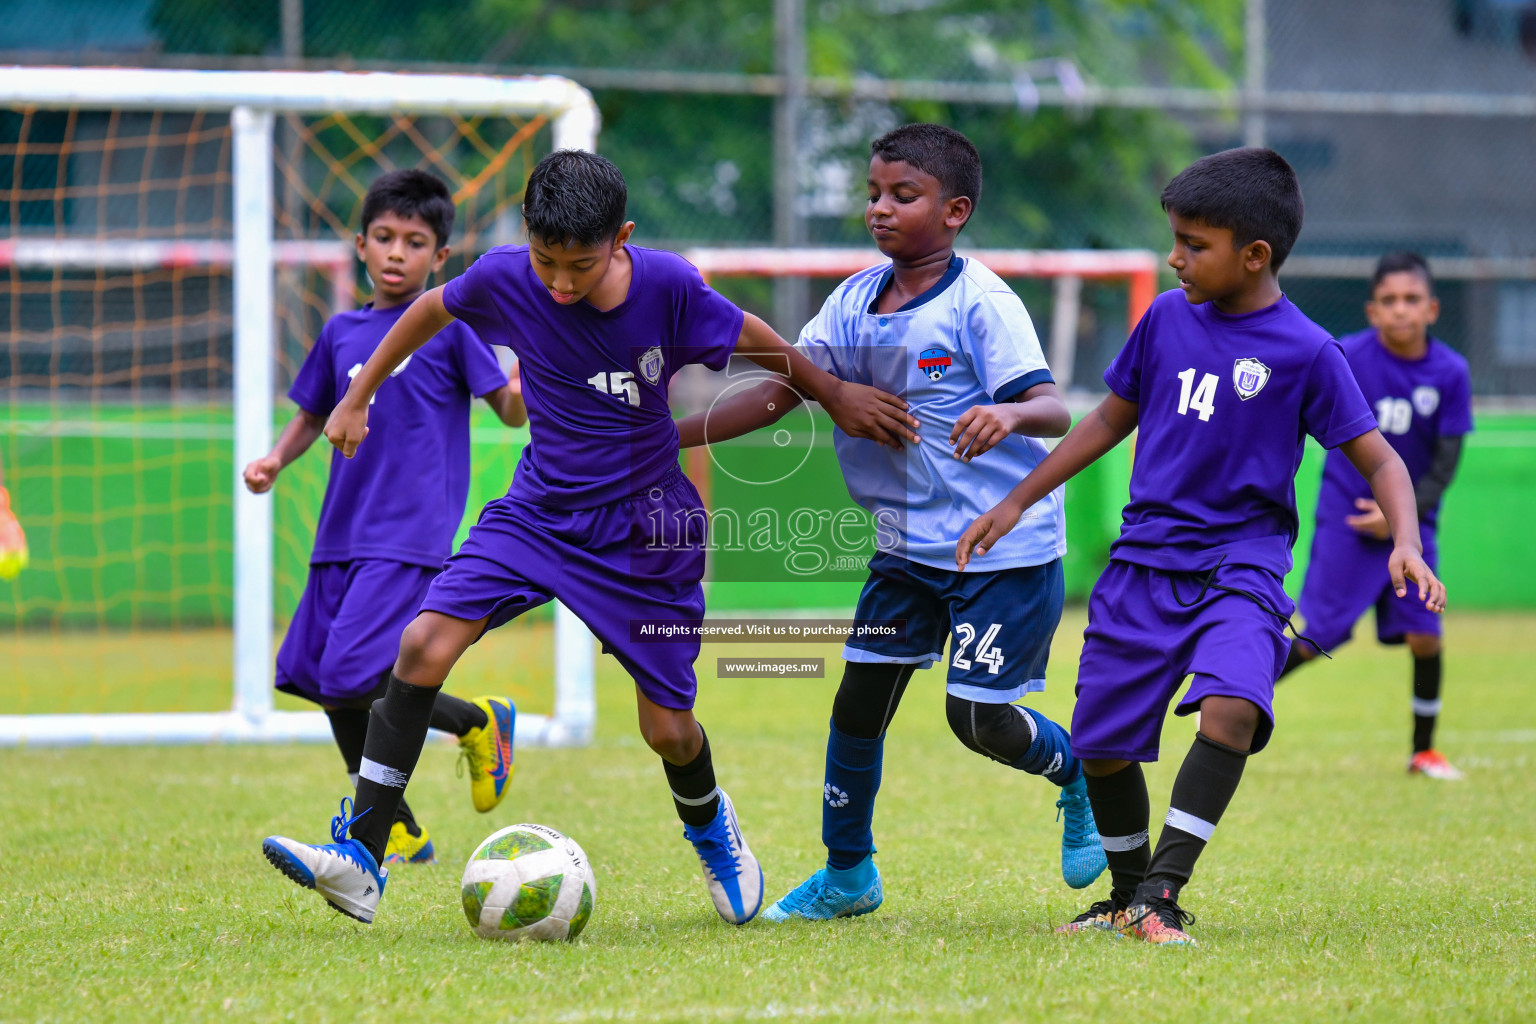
(344, 872)
(817, 899)
(732, 874)
(1082, 855)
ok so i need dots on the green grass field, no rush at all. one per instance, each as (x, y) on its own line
(132, 886)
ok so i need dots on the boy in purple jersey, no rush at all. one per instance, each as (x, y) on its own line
(599, 327)
(379, 544)
(1224, 382)
(1422, 394)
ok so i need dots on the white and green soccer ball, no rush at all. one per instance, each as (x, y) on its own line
(528, 882)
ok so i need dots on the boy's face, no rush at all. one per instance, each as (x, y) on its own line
(570, 272)
(907, 214)
(1402, 308)
(1209, 265)
(401, 253)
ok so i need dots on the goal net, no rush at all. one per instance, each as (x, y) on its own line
(174, 241)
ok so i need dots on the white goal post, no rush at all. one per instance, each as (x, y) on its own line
(253, 99)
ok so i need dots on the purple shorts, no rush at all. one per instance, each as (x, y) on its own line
(640, 559)
(1346, 575)
(1142, 641)
(345, 633)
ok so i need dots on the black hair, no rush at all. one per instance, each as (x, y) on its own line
(574, 197)
(1399, 263)
(1251, 192)
(411, 193)
(934, 149)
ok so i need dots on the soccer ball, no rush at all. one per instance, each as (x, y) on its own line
(528, 882)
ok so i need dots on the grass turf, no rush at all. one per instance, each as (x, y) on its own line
(1336, 888)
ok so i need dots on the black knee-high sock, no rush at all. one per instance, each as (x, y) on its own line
(1123, 812)
(1426, 701)
(397, 727)
(1201, 792)
(1294, 660)
(456, 715)
(350, 727)
(694, 792)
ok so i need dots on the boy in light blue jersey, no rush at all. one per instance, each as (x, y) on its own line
(949, 336)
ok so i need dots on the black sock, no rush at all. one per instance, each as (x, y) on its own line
(456, 715)
(350, 727)
(1123, 813)
(397, 728)
(1204, 786)
(694, 792)
(1294, 660)
(1426, 701)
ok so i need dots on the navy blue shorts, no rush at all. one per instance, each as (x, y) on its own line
(1001, 623)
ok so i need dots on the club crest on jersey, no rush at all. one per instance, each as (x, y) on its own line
(1426, 400)
(933, 362)
(650, 364)
(1249, 377)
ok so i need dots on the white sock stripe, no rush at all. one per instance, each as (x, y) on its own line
(1123, 844)
(689, 801)
(1426, 708)
(383, 774)
(1186, 822)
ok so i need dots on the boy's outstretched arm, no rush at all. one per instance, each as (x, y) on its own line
(507, 400)
(1037, 412)
(1383, 469)
(299, 433)
(1111, 421)
(418, 325)
(741, 414)
(860, 410)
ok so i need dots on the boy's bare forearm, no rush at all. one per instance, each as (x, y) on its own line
(751, 410)
(418, 325)
(1041, 412)
(762, 344)
(298, 434)
(1391, 486)
(1111, 422)
(508, 406)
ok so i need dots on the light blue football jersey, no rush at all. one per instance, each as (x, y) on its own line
(967, 341)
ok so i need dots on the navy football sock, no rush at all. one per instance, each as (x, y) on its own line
(848, 797)
(1426, 701)
(1014, 735)
(397, 728)
(1201, 791)
(1122, 810)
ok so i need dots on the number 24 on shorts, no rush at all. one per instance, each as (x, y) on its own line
(990, 656)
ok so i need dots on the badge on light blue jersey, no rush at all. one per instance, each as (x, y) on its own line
(933, 362)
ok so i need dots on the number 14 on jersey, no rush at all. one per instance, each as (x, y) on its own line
(1199, 397)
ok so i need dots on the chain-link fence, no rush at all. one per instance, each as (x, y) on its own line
(1411, 122)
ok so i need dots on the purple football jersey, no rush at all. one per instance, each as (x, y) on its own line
(1417, 402)
(401, 496)
(595, 381)
(1224, 403)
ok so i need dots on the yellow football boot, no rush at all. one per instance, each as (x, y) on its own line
(404, 848)
(488, 752)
